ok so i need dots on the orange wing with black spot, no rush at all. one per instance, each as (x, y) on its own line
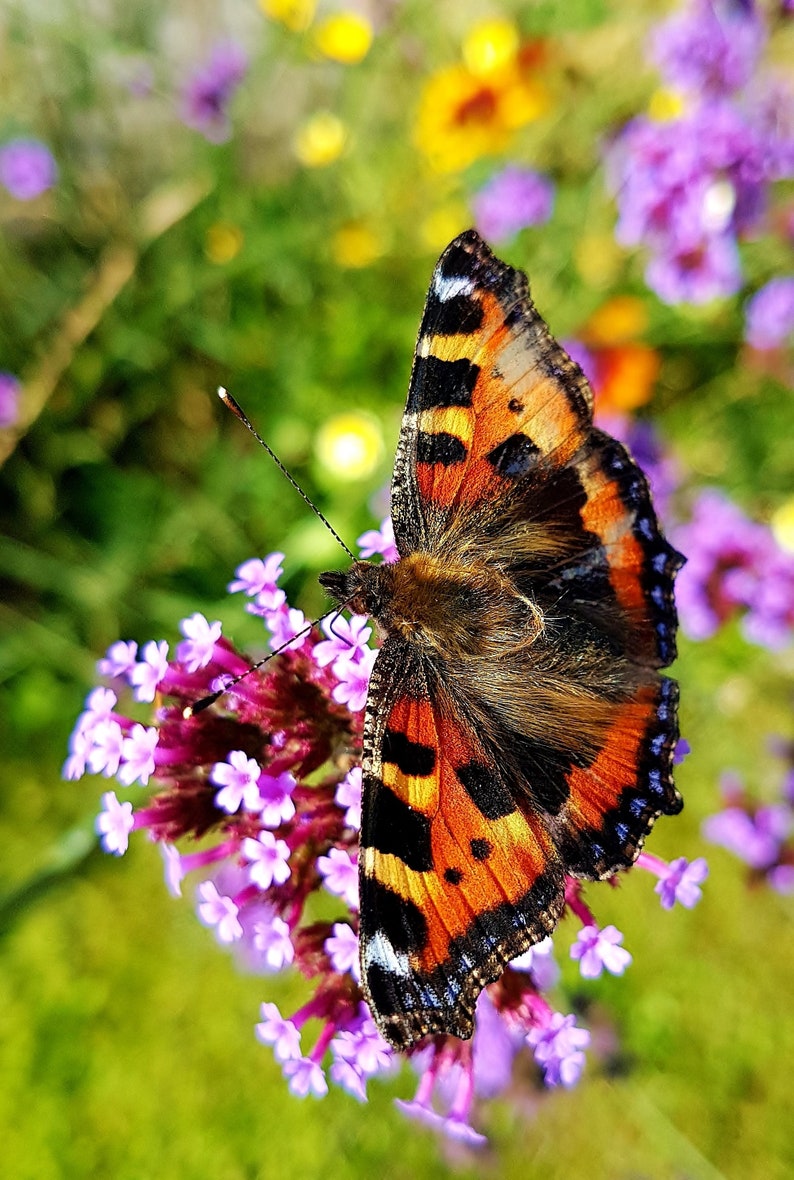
(456, 879)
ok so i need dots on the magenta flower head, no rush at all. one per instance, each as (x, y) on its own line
(759, 834)
(268, 778)
(710, 47)
(512, 200)
(209, 90)
(27, 168)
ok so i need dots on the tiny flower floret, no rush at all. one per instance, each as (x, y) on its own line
(272, 941)
(682, 882)
(114, 824)
(380, 541)
(286, 625)
(348, 797)
(119, 660)
(219, 911)
(275, 799)
(138, 754)
(256, 575)
(198, 646)
(340, 874)
(268, 859)
(558, 1047)
(238, 778)
(347, 640)
(280, 1033)
(354, 680)
(147, 674)
(598, 949)
(342, 949)
(305, 1077)
(107, 745)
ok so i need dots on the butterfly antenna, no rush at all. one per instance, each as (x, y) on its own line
(204, 702)
(232, 405)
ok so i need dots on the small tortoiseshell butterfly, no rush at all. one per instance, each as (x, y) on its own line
(517, 727)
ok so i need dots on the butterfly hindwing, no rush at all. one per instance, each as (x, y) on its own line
(455, 878)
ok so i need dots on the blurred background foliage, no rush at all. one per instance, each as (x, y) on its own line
(286, 254)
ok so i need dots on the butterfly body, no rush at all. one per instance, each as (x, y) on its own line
(517, 727)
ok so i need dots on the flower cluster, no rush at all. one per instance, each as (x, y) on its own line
(735, 568)
(269, 778)
(760, 834)
(513, 199)
(27, 168)
(694, 179)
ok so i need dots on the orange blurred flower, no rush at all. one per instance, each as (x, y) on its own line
(623, 371)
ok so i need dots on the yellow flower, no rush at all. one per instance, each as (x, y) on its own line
(442, 224)
(490, 45)
(344, 37)
(464, 115)
(222, 242)
(320, 140)
(783, 525)
(665, 105)
(350, 445)
(355, 245)
(296, 15)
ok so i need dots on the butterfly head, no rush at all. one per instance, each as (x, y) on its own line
(362, 588)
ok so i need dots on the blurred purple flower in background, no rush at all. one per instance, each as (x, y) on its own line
(208, 91)
(689, 186)
(27, 168)
(512, 200)
(760, 834)
(735, 567)
(769, 314)
(711, 48)
(9, 399)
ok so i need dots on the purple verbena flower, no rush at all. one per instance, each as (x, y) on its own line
(150, 671)
(769, 314)
(209, 90)
(339, 871)
(258, 574)
(681, 882)
(305, 1077)
(114, 824)
(280, 1033)
(559, 1047)
(138, 754)
(342, 949)
(27, 168)
(198, 647)
(598, 949)
(379, 541)
(219, 911)
(348, 797)
(9, 399)
(268, 858)
(354, 680)
(273, 942)
(513, 199)
(347, 639)
(275, 798)
(119, 660)
(238, 778)
(710, 47)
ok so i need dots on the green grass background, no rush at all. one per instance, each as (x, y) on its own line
(126, 1042)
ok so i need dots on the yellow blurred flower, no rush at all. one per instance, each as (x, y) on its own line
(297, 15)
(355, 245)
(783, 525)
(490, 45)
(320, 140)
(344, 37)
(222, 242)
(350, 445)
(464, 115)
(666, 104)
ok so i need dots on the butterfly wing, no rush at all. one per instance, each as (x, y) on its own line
(497, 449)
(455, 878)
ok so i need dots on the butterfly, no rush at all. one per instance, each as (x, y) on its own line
(517, 728)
